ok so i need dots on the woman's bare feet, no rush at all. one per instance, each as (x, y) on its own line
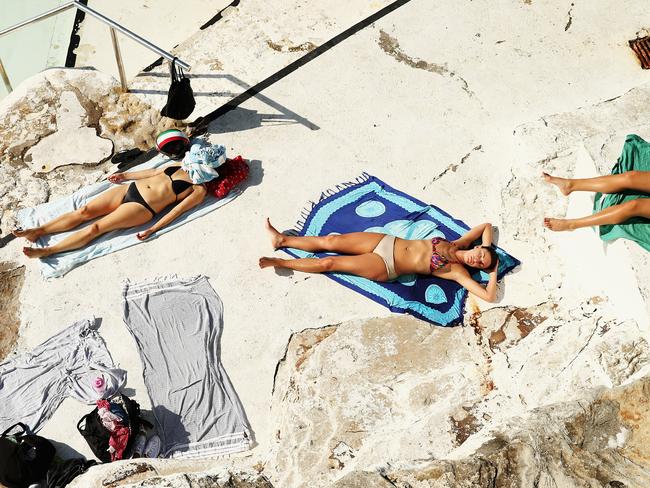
(562, 183)
(267, 262)
(31, 235)
(277, 238)
(557, 224)
(36, 252)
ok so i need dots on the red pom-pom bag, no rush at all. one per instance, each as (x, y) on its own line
(231, 173)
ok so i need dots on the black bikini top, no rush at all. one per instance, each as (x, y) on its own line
(178, 186)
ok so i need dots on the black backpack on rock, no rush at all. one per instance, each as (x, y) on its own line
(24, 458)
(97, 435)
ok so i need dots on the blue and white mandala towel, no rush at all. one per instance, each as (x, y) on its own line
(371, 205)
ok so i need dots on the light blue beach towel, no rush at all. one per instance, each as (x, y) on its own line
(59, 264)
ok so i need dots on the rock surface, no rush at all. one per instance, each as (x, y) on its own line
(203, 480)
(12, 278)
(390, 391)
(72, 143)
(596, 442)
(145, 475)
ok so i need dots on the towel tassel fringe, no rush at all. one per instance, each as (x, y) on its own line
(305, 212)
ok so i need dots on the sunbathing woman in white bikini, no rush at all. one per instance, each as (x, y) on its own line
(381, 257)
(130, 205)
(616, 214)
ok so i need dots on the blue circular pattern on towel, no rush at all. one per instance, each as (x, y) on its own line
(423, 229)
(407, 279)
(371, 208)
(398, 228)
(407, 229)
(435, 294)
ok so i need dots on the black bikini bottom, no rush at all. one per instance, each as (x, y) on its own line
(133, 195)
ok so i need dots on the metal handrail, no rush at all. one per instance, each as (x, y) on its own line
(113, 26)
(43, 16)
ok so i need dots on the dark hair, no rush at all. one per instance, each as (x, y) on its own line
(493, 257)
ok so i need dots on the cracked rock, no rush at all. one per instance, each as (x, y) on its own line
(12, 278)
(203, 480)
(79, 146)
(600, 442)
(72, 143)
(381, 392)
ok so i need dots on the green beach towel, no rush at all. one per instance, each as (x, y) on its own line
(635, 156)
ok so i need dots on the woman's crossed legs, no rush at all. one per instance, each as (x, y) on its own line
(359, 245)
(616, 214)
(116, 215)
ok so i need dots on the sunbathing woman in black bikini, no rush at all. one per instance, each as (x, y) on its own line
(382, 257)
(124, 206)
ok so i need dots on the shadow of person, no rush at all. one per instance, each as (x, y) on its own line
(240, 119)
(172, 432)
(174, 436)
(283, 272)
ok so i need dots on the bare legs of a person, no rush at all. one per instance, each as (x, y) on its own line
(617, 214)
(109, 204)
(359, 245)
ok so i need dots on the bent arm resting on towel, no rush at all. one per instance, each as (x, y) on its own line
(460, 275)
(189, 202)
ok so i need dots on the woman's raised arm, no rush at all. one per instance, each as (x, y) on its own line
(487, 293)
(484, 231)
(198, 194)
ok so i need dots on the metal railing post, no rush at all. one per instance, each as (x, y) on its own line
(118, 59)
(5, 78)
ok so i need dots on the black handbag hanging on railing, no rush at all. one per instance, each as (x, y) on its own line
(180, 98)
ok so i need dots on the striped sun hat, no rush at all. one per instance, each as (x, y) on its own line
(172, 142)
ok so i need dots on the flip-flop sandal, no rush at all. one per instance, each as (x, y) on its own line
(152, 449)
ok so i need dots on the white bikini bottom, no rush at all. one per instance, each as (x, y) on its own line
(386, 251)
